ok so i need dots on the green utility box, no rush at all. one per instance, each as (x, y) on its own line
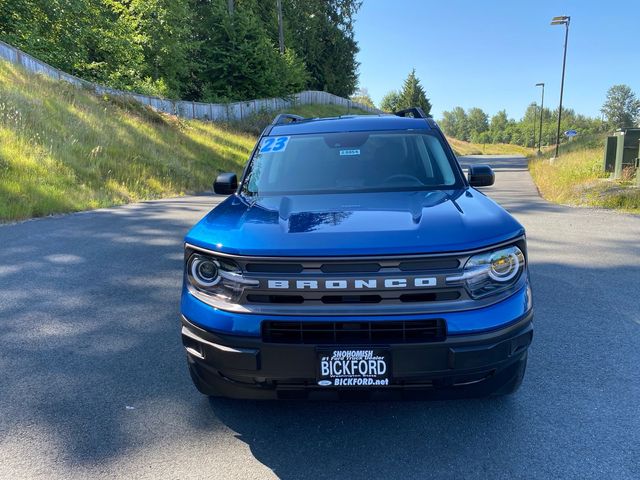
(610, 154)
(638, 166)
(626, 149)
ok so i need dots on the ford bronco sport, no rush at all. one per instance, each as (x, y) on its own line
(355, 257)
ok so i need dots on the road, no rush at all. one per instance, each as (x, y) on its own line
(93, 379)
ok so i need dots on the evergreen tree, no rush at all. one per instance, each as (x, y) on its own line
(238, 61)
(321, 31)
(192, 49)
(413, 95)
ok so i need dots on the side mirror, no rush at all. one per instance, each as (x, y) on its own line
(226, 184)
(481, 176)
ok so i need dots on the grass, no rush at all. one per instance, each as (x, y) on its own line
(577, 177)
(466, 148)
(256, 123)
(64, 149)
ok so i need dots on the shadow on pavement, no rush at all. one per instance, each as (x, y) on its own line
(410, 439)
(89, 326)
(576, 412)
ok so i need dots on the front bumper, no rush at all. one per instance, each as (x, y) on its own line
(246, 367)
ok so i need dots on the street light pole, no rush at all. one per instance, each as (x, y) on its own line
(535, 120)
(541, 113)
(563, 20)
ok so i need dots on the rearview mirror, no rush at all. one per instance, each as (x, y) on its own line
(226, 184)
(480, 176)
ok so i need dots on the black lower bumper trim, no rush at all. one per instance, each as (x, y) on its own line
(246, 367)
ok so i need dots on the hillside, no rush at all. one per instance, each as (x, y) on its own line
(576, 177)
(466, 148)
(63, 149)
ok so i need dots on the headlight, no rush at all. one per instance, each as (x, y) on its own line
(218, 278)
(205, 271)
(491, 272)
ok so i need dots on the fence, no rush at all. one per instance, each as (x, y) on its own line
(182, 108)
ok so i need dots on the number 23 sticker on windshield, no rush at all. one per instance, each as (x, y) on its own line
(274, 144)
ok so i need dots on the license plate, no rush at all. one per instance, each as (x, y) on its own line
(354, 367)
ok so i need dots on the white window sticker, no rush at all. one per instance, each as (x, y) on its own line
(346, 153)
(274, 144)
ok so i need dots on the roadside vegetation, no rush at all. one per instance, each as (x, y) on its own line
(412, 94)
(577, 177)
(474, 125)
(256, 123)
(63, 149)
(209, 51)
(460, 147)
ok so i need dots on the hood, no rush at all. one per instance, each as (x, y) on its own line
(385, 223)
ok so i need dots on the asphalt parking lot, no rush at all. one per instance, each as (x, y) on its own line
(93, 379)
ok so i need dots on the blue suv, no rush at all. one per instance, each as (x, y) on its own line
(354, 257)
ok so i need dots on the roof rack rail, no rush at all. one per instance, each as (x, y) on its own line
(416, 112)
(283, 117)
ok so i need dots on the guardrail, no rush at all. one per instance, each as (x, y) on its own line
(182, 108)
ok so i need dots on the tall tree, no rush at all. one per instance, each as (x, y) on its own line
(390, 101)
(94, 39)
(499, 121)
(194, 49)
(455, 123)
(322, 32)
(621, 108)
(362, 96)
(447, 123)
(478, 121)
(499, 124)
(239, 61)
(413, 95)
(461, 122)
(165, 30)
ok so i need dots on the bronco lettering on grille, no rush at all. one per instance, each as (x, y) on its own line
(358, 284)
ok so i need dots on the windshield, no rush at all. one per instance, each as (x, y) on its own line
(349, 162)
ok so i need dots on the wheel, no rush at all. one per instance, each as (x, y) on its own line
(200, 385)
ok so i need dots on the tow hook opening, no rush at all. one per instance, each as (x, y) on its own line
(193, 347)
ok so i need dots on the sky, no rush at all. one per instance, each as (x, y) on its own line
(491, 53)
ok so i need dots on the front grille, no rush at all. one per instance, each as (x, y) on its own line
(430, 296)
(368, 332)
(292, 299)
(351, 299)
(355, 286)
(425, 297)
(358, 288)
(412, 284)
(351, 266)
(274, 267)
